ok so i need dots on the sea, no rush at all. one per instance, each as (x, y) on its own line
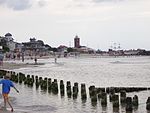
(100, 71)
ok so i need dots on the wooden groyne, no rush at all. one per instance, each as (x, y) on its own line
(116, 95)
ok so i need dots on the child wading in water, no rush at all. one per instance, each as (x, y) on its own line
(6, 85)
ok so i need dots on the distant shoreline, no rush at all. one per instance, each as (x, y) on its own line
(8, 65)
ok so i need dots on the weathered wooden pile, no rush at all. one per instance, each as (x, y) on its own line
(116, 95)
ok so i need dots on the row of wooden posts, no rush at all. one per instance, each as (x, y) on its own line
(117, 95)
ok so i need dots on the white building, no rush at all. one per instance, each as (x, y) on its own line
(9, 41)
(8, 37)
(131, 52)
(84, 49)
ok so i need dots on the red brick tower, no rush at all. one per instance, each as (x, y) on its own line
(76, 42)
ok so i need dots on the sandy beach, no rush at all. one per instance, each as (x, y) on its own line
(16, 65)
(11, 66)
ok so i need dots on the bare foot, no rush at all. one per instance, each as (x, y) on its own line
(12, 110)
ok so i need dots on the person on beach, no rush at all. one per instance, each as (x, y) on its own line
(35, 60)
(6, 85)
(1, 59)
(55, 59)
(22, 57)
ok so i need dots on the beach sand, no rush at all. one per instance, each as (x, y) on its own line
(10, 66)
(13, 65)
(15, 111)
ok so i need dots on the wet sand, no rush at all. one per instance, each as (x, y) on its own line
(15, 111)
(12, 65)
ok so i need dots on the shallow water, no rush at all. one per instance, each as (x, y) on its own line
(102, 72)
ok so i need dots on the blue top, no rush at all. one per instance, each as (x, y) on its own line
(6, 84)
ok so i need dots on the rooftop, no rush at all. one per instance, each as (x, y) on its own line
(8, 34)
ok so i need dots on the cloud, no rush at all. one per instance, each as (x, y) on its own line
(99, 1)
(22, 4)
(16, 4)
(42, 3)
(2, 1)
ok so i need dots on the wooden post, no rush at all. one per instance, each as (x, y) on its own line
(135, 101)
(83, 92)
(129, 104)
(75, 92)
(55, 86)
(93, 94)
(49, 85)
(123, 97)
(104, 99)
(115, 101)
(68, 87)
(148, 104)
(62, 88)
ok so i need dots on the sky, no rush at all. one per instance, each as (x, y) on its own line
(100, 24)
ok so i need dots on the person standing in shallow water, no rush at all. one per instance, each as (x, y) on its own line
(6, 85)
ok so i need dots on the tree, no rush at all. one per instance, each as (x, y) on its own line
(3, 43)
(48, 47)
(70, 50)
(41, 42)
(5, 49)
(54, 49)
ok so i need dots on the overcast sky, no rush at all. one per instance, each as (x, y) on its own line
(98, 23)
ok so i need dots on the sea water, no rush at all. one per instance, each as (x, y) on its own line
(98, 71)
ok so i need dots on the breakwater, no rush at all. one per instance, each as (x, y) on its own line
(105, 95)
